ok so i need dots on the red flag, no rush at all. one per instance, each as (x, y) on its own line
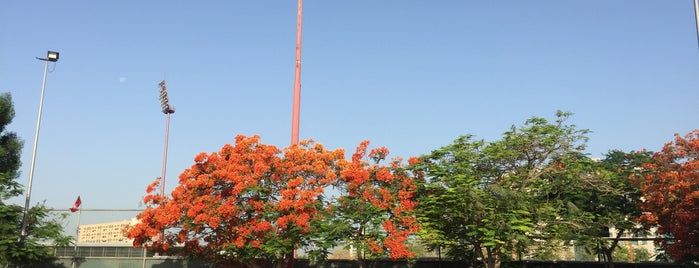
(76, 206)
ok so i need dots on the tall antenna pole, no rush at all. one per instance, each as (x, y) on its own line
(297, 81)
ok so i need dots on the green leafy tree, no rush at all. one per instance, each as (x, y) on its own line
(484, 200)
(551, 250)
(42, 228)
(596, 197)
(623, 253)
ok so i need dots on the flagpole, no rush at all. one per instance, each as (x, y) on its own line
(77, 237)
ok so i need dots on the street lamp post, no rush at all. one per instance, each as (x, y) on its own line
(51, 56)
(167, 109)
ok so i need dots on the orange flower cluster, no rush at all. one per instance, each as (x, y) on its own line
(240, 197)
(373, 191)
(252, 199)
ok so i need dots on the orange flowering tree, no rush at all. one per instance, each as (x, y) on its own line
(374, 209)
(671, 196)
(245, 205)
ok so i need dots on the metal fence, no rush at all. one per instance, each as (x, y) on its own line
(129, 257)
(102, 252)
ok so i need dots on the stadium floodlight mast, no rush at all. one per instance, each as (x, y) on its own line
(167, 109)
(51, 56)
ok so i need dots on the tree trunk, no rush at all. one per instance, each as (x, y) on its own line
(283, 262)
(497, 260)
(492, 258)
(289, 259)
(360, 252)
(608, 258)
(360, 259)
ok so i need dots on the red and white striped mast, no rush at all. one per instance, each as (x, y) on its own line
(297, 81)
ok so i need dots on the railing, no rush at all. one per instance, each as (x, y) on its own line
(102, 252)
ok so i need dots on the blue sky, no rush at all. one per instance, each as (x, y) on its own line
(409, 75)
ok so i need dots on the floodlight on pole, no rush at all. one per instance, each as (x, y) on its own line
(167, 109)
(51, 56)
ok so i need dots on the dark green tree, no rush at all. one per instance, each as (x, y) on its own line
(483, 200)
(43, 229)
(623, 253)
(599, 200)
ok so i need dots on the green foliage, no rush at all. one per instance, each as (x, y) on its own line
(10, 149)
(585, 254)
(43, 228)
(623, 254)
(596, 195)
(489, 199)
(551, 250)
